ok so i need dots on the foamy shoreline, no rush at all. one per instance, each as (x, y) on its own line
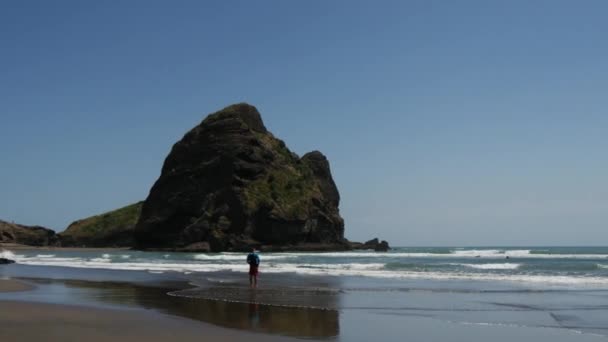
(510, 266)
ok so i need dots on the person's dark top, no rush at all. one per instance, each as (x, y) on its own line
(253, 259)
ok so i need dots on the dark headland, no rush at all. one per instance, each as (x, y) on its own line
(227, 185)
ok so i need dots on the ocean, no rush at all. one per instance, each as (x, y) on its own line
(575, 266)
(535, 293)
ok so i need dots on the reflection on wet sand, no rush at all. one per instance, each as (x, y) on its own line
(246, 314)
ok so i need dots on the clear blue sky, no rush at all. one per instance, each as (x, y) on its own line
(446, 122)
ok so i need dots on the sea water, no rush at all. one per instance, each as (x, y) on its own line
(580, 266)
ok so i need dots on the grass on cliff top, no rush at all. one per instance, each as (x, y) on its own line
(289, 186)
(287, 191)
(119, 219)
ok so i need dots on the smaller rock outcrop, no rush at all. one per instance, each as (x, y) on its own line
(27, 235)
(4, 261)
(376, 245)
(373, 244)
(111, 229)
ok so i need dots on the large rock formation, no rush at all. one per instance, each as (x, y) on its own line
(229, 184)
(26, 235)
(111, 229)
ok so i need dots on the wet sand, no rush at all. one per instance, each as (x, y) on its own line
(29, 321)
(22, 321)
(246, 317)
(10, 285)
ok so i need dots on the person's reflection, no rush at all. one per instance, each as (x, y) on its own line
(254, 311)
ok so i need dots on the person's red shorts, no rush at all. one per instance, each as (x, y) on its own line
(253, 270)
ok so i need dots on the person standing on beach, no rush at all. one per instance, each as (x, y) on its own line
(254, 261)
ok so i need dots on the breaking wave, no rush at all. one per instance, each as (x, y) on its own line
(506, 266)
(7, 255)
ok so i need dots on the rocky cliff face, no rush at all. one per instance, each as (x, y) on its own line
(229, 183)
(111, 229)
(27, 235)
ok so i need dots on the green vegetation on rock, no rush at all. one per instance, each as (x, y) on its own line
(111, 229)
(288, 188)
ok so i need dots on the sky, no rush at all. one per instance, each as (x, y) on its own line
(446, 123)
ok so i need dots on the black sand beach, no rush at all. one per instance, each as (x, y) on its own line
(31, 321)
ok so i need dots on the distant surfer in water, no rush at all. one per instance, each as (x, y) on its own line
(253, 259)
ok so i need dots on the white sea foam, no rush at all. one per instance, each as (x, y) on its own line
(479, 253)
(219, 257)
(457, 253)
(496, 253)
(241, 256)
(6, 254)
(517, 253)
(331, 267)
(100, 263)
(360, 263)
(375, 270)
(466, 276)
(24, 258)
(520, 253)
(104, 260)
(506, 266)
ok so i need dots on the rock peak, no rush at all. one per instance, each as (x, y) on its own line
(243, 112)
